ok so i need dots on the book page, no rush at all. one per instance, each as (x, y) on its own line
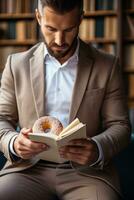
(70, 126)
(52, 153)
(71, 131)
(80, 133)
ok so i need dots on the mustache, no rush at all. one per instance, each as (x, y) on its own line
(61, 46)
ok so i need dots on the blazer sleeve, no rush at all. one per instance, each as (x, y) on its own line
(8, 110)
(114, 114)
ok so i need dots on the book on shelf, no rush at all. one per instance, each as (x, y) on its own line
(131, 4)
(3, 30)
(131, 116)
(75, 130)
(89, 5)
(87, 29)
(106, 4)
(128, 4)
(18, 29)
(131, 86)
(99, 27)
(110, 27)
(17, 6)
(129, 56)
(130, 26)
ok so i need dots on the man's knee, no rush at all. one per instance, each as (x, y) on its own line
(20, 186)
(8, 187)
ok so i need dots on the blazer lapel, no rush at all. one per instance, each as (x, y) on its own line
(84, 69)
(38, 80)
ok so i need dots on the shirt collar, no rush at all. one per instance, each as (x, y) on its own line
(73, 58)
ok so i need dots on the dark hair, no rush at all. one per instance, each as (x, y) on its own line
(62, 6)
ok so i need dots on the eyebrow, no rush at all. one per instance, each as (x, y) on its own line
(48, 26)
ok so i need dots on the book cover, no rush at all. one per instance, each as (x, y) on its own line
(110, 27)
(75, 130)
(99, 29)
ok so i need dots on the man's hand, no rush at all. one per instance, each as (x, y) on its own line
(25, 148)
(81, 151)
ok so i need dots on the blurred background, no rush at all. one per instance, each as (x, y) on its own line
(108, 25)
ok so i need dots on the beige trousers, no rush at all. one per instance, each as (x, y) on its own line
(53, 182)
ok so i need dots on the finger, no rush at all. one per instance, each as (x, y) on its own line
(84, 150)
(76, 158)
(73, 149)
(42, 147)
(79, 142)
(25, 131)
(26, 154)
(32, 146)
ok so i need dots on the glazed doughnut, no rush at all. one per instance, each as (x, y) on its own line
(47, 123)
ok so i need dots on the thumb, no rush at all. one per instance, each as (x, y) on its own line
(25, 131)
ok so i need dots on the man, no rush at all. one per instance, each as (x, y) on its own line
(65, 78)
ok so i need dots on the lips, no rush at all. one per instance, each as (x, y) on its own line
(59, 48)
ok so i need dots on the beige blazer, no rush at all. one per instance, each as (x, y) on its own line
(98, 100)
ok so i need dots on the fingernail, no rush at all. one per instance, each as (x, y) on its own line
(62, 155)
(44, 146)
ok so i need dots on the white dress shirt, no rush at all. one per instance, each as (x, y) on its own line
(60, 79)
(59, 84)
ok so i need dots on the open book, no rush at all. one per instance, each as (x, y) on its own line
(74, 130)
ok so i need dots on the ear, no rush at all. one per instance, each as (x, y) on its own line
(38, 16)
(81, 17)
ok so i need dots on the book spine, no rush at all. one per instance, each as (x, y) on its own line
(110, 27)
(130, 86)
(12, 30)
(130, 26)
(89, 5)
(21, 30)
(129, 56)
(3, 30)
(99, 32)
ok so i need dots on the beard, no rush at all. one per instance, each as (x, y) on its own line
(63, 50)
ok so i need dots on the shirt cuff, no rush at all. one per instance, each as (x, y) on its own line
(101, 156)
(11, 145)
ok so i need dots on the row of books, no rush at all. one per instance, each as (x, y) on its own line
(129, 28)
(18, 29)
(130, 86)
(92, 5)
(99, 27)
(131, 116)
(128, 4)
(17, 6)
(5, 51)
(129, 56)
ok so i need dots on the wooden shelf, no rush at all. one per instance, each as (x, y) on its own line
(101, 40)
(129, 11)
(129, 70)
(17, 43)
(128, 39)
(5, 16)
(131, 103)
(100, 13)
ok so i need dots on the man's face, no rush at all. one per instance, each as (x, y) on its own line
(60, 31)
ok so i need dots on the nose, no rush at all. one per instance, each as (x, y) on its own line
(59, 38)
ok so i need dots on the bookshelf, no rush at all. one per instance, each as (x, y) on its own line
(109, 25)
(100, 24)
(127, 28)
(18, 27)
